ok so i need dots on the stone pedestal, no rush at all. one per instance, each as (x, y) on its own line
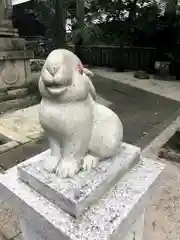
(14, 58)
(106, 203)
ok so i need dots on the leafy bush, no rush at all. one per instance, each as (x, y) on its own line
(33, 89)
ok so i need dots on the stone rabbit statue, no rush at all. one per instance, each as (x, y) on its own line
(81, 132)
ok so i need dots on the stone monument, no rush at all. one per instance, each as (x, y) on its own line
(72, 119)
(14, 59)
(89, 184)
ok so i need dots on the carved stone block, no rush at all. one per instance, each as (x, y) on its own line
(75, 195)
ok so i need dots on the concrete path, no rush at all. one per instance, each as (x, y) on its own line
(168, 89)
(144, 114)
(163, 212)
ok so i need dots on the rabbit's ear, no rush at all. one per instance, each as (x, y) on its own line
(80, 69)
(88, 72)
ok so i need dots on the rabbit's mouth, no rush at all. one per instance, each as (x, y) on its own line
(56, 89)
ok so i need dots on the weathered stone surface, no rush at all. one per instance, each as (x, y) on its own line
(13, 94)
(9, 223)
(21, 153)
(20, 92)
(13, 72)
(17, 104)
(113, 216)
(14, 64)
(14, 55)
(7, 146)
(19, 237)
(7, 44)
(75, 195)
(8, 32)
(2, 237)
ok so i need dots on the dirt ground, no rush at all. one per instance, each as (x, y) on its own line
(163, 214)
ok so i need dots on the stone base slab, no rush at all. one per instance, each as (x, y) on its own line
(135, 232)
(76, 195)
(111, 218)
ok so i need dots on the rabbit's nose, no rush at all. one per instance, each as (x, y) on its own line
(53, 70)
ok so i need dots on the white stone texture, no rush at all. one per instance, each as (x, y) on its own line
(111, 218)
(75, 195)
(78, 128)
(135, 233)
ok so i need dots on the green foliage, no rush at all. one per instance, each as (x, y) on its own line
(106, 21)
(92, 34)
(33, 89)
(45, 12)
(118, 22)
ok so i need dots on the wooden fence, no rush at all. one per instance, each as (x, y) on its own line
(121, 58)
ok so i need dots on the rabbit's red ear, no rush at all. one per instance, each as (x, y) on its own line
(80, 69)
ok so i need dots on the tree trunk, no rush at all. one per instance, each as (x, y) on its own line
(170, 20)
(131, 21)
(171, 6)
(2, 11)
(79, 28)
(60, 23)
(172, 32)
(80, 13)
(132, 11)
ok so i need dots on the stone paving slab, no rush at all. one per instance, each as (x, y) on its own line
(23, 152)
(21, 125)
